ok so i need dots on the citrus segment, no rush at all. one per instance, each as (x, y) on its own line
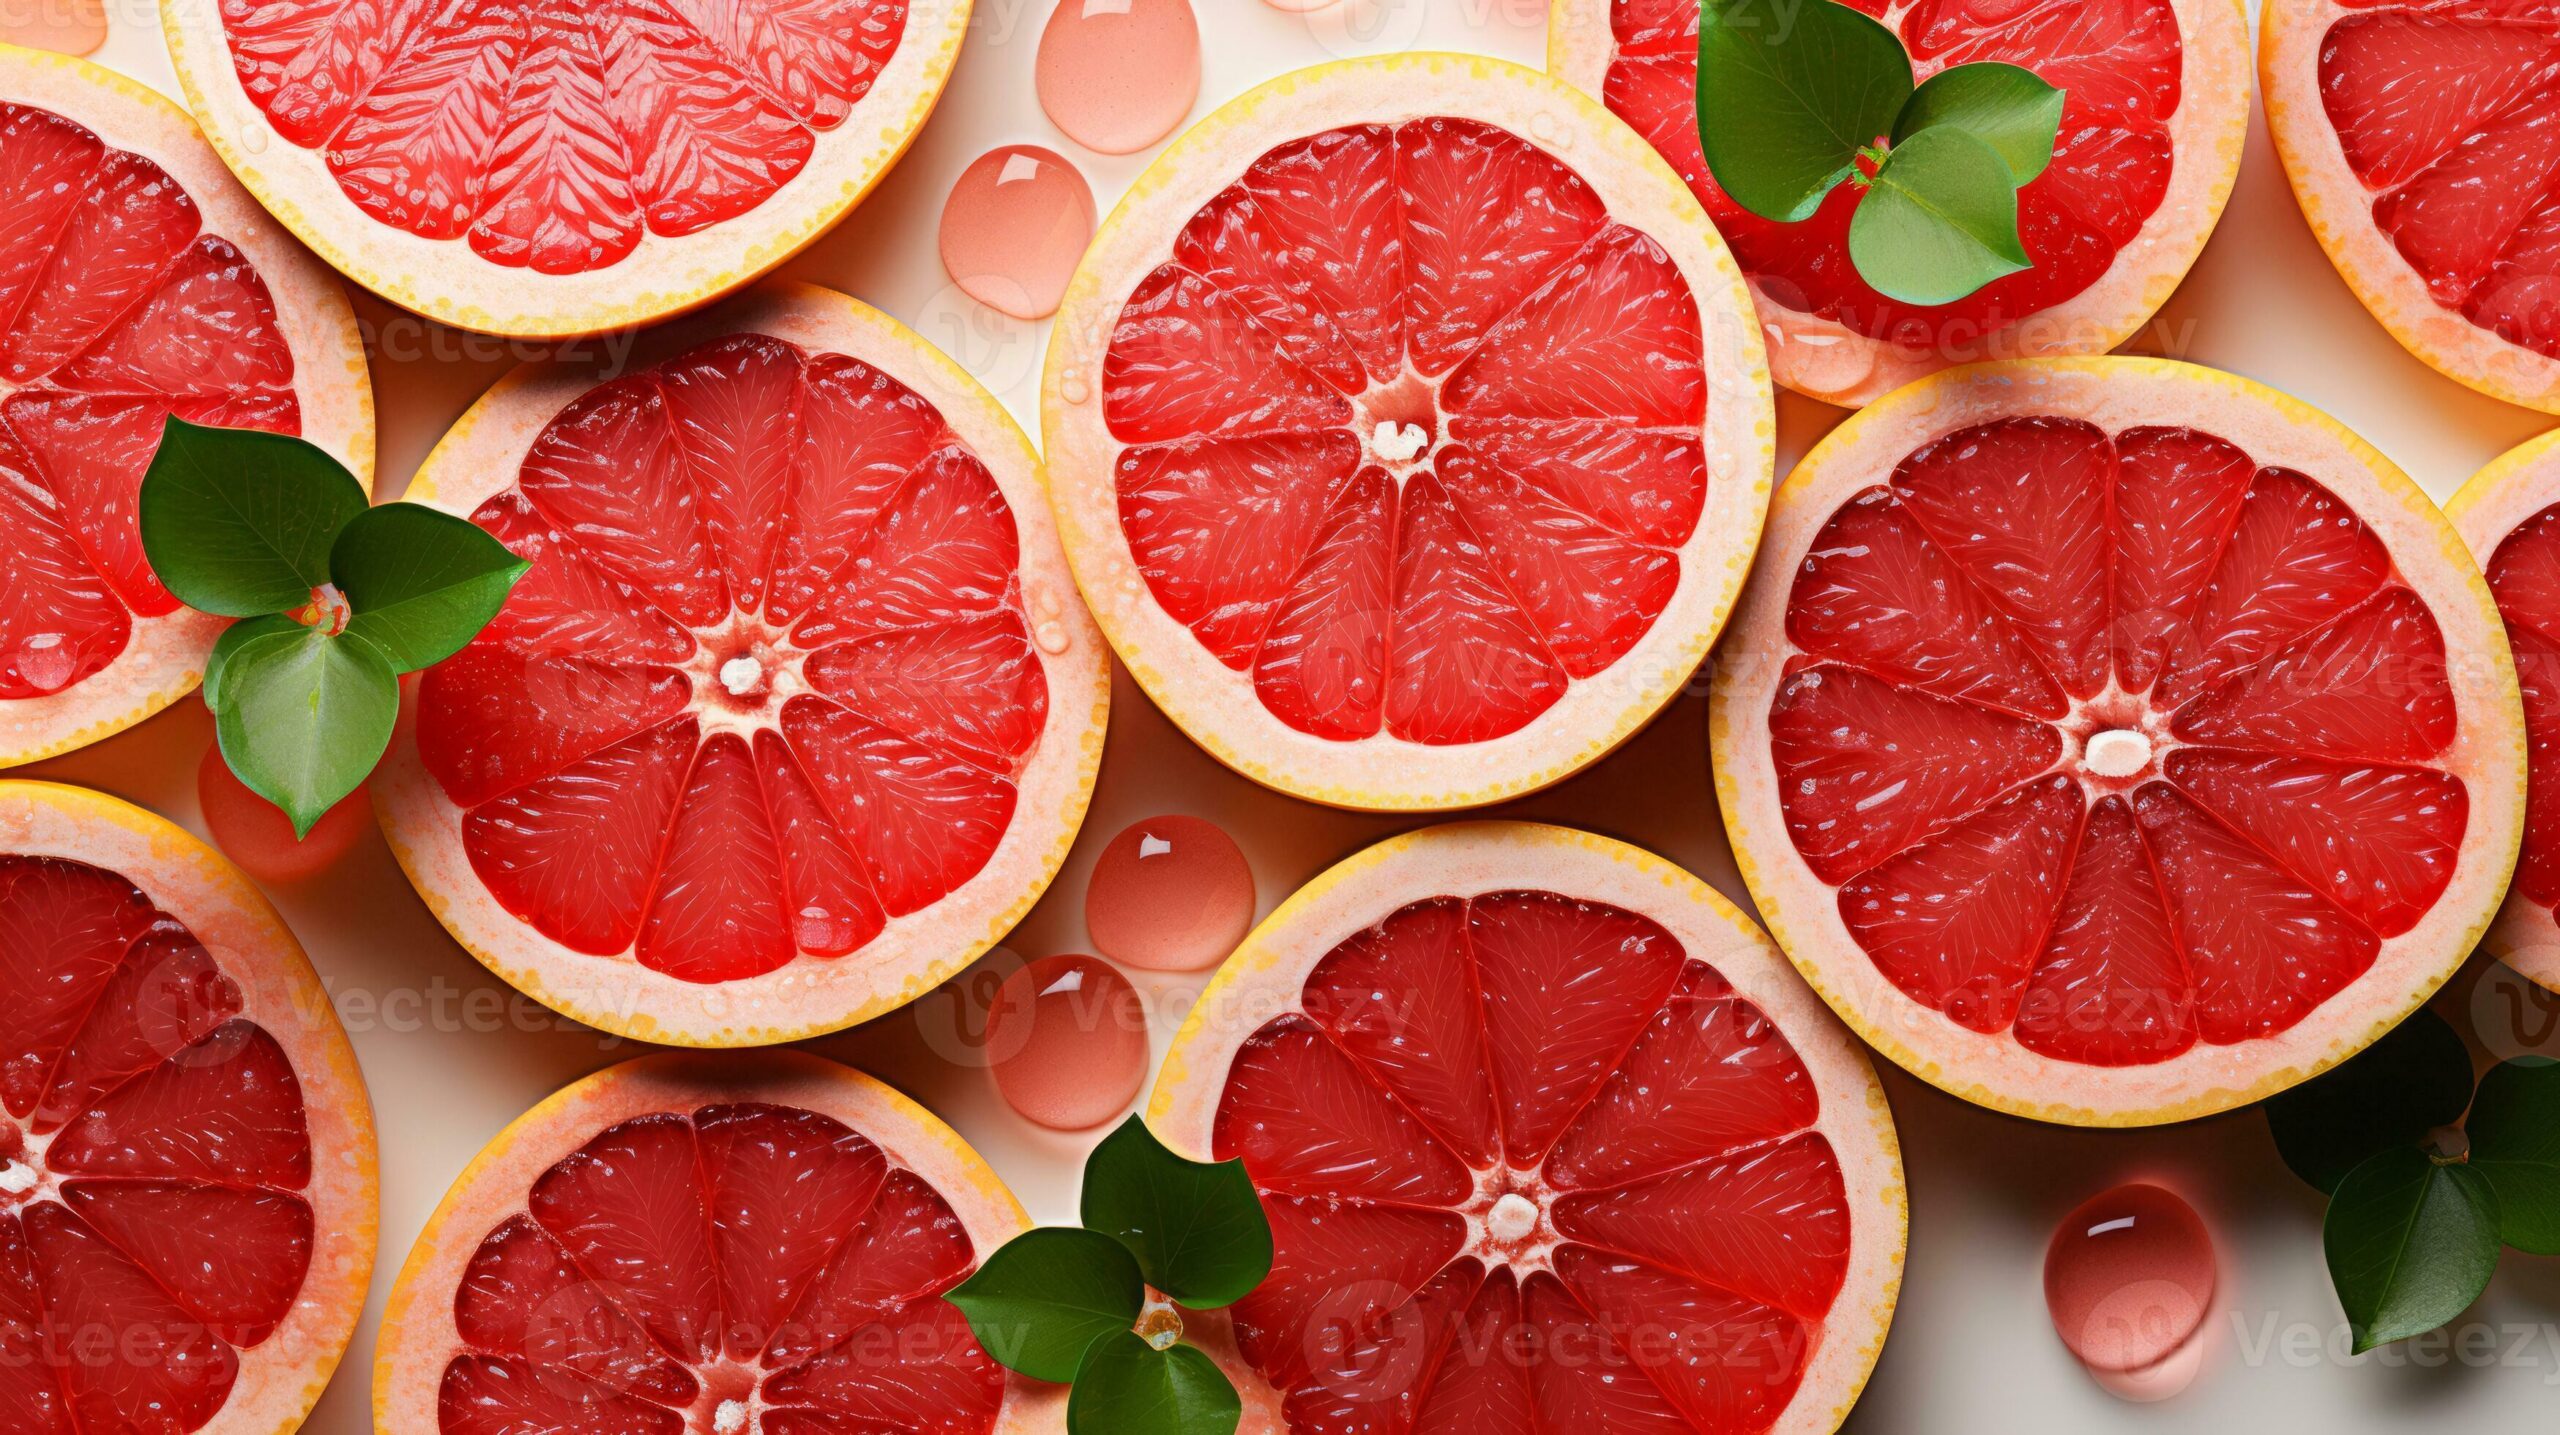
(790, 711)
(2114, 741)
(562, 170)
(1382, 427)
(137, 283)
(686, 1244)
(1529, 1096)
(186, 1153)
(2155, 104)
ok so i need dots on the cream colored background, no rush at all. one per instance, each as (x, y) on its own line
(452, 1055)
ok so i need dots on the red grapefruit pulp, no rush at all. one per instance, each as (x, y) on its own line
(186, 1153)
(1407, 430)
(795, 713)
(707, 1246)
(2115, 741)
(1550, 1140)
(2156, 99)
(136, 282)
(534, 167)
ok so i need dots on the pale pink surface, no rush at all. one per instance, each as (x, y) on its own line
(1118, 75)
(2129, 1277)
(73, 27)
(1017, 221)
(1068, 1038)
(1171, 894)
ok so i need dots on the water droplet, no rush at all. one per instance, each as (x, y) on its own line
(1017, 221)
(1071, 1041)
(46, 662)
(72, 27)
(1118, 75)
(2129, 1278)
(1169, 894)
(1074, 389)
(1052, 637)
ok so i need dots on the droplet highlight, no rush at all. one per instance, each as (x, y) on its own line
(1018, 219)
(2129, 1278)
(1118, 75)
(1170, 894)
(1068, 1038)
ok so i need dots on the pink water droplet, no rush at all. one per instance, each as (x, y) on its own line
(1018, 219)
(1171, 894)
(73, 27)
(1117, 75)
(2129, 1278)
(1069, 1040)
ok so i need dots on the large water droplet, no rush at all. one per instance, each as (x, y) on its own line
(1018, 219)
(73, 27)
(1169, 894)
(1118, 75)
(2129, 1278)
(1069, 1040)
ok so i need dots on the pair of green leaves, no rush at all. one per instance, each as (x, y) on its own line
(336, 598)
(1797, 97)
(2413, 1233)
(1063, 1304)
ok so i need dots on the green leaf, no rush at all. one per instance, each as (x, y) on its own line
(1197, 1228)
(2411, 1243)
(1046, 1295)
(1128, 1387)
(231, 642)
(1789, 91)
(2413, 1080)
(304, 717)
(1940, 221)
(2005, 107)
(239, 522)
(422, 583)
(2515, 1141)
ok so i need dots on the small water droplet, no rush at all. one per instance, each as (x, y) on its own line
(1017, 220)
(1071, 1040)
(1073, 388)
(1171, 893)
(46, 662)
(2129, 1278)
(1118, 75)
(1051, 637)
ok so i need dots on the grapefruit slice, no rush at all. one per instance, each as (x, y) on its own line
(136, 281)
(2419, 138)
(2509, 513)
(1408, 432)
(691, 1244)
(543, 169)
(2156, 106)
(2114, 741)
(186, 1150)
(796, 712)
(1551, 1140)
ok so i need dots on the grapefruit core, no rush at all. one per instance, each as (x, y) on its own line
(546, 170)
(795, 714)
(2509, 514)
(1408, 431)
(1551, 1140)
(137, 281)
(2419, 139)
(701, 1244)
(2114, 741)
(2156, 106)
(186, 1151)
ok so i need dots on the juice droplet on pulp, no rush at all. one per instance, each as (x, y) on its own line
(1170, 894)
(1068, 1038)
(1018, 219)
(2129, 1277)
(1118, 75)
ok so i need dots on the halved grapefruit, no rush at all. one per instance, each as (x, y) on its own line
(2421, 139)
(1409, 433)
(544, 169)
(796, 712)
(1551, 1140)
(186, 1151)
(698, 1244)
(2114, 741)
(2156, 106)
(136, 281)
(2509, 513)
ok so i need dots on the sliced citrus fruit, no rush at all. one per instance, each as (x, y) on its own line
(186, 1150)
(137, 281)
(796, 712)
(2419, 139)
(546, 169)
(1408, 431)
(2156, 104)
(2114, 741)
(2509, 513)
(1551, 1140)
(699, 1244)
